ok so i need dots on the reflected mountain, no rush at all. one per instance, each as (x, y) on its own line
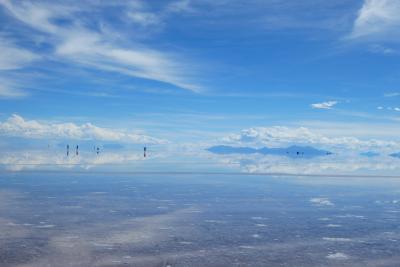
(291, 151)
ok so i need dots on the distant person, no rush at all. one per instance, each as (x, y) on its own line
(67, 150)
(77, 150)
(144, 151)
(98, 150)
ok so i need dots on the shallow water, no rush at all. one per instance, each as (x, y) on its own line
(121, 219)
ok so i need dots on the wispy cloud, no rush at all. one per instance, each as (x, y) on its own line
(181, 6)
(381, 49)
(7, 92)
(324, 105)
(144, 18)
(10, 89)
(101, 47)
(13, 58)
(392, 94)
(17, 126)
(266, 15)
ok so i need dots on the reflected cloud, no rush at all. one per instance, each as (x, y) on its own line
(321, 201)
(338, 164)
(38, 160)
(338, 256)
(202, 161)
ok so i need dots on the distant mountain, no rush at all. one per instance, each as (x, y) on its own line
(292, 151)
(395, 155)
(370, 154)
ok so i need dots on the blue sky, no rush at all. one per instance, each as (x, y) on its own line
(201, 71)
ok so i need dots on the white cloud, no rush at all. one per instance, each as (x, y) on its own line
(389, 108)
(18, 126)
(321, 201)
(337, 256)
(103, 48)
(324, 105)
(283, 136)
(378, 19)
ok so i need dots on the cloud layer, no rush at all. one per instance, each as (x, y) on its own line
(282, 136)
(17, 126)
(89, 41)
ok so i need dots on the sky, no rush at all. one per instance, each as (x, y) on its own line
(191, 72)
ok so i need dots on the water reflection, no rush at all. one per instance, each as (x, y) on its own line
(201, 161)
(95, 219)
(55, 159)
